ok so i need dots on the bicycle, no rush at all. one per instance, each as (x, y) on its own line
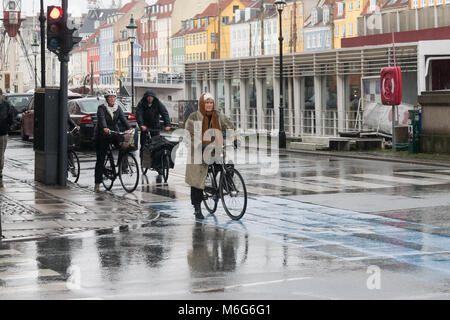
(126, 168)
(73, 162)
(231, 189)
(165, 160)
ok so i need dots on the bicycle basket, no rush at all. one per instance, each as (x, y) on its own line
(128, 141)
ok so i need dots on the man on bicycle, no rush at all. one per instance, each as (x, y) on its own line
(148, 112)
(108, 116)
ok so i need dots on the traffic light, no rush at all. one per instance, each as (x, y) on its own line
(60, 39)
(56, 24)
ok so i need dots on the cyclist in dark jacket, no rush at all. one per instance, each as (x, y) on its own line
(108, 116)
(148, 112)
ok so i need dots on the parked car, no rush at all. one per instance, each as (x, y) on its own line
(20, 102)
(84, 112)
(27, 119)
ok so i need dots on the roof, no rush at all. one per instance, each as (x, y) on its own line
(213, 10)
(91, 43)
(126, 8)
(386, 5)
(319, 5)
(88, 24)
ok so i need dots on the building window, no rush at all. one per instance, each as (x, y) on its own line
(326, 15)
(314, 17)
(343, 31)
(350, 29)
(424, 3)
(350, 6)
(340, 8)
(373, 5)
(439, 2)
(336, 31)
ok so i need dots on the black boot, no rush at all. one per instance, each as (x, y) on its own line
(198, 211)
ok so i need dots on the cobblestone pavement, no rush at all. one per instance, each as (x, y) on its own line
(31, 210)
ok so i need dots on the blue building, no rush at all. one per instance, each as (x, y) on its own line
(317, 30)
(106, 55)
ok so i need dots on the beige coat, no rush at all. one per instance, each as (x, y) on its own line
(196, 173)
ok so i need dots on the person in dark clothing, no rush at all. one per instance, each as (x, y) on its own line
(108, 116)
(148, 113)
(7, 115)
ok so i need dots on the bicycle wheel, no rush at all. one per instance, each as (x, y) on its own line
(73, 166)
(109, 172)
(233, 193)
(165, 162)
(210, 196)
(129, 172)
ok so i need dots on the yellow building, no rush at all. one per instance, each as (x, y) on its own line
(346, 14)
(292, 20)
(196, 40)
(122, 51)
(202, 41)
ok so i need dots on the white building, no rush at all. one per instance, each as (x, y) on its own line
(245, 33)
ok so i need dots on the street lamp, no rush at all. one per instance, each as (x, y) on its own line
(35, 50)
(282, 135)
(132, 29)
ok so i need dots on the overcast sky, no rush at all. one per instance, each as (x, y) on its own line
(76, 7)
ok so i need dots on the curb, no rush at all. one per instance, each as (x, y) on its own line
(374, 158)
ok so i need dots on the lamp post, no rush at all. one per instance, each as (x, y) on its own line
(35, 50)
(132, 28)
(282, 134)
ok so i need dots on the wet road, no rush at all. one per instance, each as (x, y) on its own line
(317, 228)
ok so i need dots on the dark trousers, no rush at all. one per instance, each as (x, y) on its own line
(196, 196)
(144, 140)
(101, 147)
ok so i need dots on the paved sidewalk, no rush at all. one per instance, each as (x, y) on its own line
(30, 210)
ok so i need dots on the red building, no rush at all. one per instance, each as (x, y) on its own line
(149, 36)
(93, 57)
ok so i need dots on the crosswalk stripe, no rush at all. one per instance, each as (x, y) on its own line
(54, 286)
(297, 185)
(399, 179)
(263, 191)
(9, 252)
(426, 175)
(15, 260)
(28, 274)
(351, 183)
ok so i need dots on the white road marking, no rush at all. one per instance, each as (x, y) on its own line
(244, 285)
(399, 179)
(297, 185)
(55, 286)
(28, 274)
(352, 183)
(425, 174)
(15, 260)
(9, 252)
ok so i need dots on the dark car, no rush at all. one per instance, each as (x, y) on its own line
(19, 101)
(84, 112)
(27, 119)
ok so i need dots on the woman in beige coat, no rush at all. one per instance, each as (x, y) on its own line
(199, 124)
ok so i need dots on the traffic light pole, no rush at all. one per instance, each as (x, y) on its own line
(42, 21)
(62, 152)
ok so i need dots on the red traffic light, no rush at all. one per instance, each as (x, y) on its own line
(55, 13)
